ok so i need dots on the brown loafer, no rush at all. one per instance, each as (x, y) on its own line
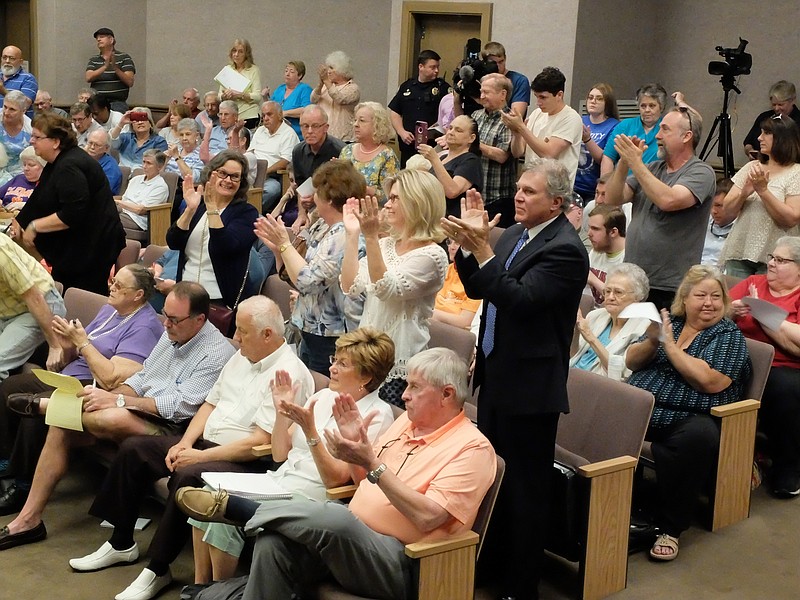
(12, 540)
(203, 504)
(24, 404)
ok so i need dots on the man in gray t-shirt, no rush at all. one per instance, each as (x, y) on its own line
(671, 201)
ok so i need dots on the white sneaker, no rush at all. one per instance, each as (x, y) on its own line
(145, 586)
(103, 557)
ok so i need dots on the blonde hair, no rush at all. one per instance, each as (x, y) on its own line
(371, 351)
(381, 125)
(693, 276)
(419, 163)
(422, 201)
(30, 154)
(248, 52)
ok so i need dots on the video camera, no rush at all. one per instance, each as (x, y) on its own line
(737, 61)
(467, 77)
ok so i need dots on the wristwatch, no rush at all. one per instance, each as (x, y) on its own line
(213, 212)
(374, 475)
(312, 441)
(283, 248)
(120, 401)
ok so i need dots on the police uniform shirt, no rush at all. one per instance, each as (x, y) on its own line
(417, 101)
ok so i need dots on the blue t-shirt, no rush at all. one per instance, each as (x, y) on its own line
(588, 170)
(631, 127)
(586, 362)
(300, 97)
(520, 88)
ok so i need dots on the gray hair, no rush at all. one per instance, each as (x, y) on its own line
(158, 156)
(637, 277)
(188, 123)
(691, 118)
(264, 313)
(28, 153)
(340, 63)
(655, 91)
(782, 91)
(210, 93)
(557, 179)
(793, 244)
(18, 98)
(441, 367)
(316, 107)
(146, 110)
(229, 105)
(276, 105)
(79, 108)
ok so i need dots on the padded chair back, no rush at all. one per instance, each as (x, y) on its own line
(731, 280)
(320, 381)
(487, 504)
(587, 304)
(152, 253)
(261, 173)
(128, 255)
(278, 290)
(83, 305)
(172, 184)
(126, 176)
(607, 418)
(761, 355)
(461, 341)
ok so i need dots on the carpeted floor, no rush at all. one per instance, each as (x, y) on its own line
(758, 558)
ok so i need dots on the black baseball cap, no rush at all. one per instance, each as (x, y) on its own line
(104, 31)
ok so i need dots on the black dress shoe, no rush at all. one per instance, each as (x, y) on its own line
(24, 404)
(12, 500)
(10, 540)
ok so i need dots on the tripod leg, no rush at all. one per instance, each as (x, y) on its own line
(704, 152)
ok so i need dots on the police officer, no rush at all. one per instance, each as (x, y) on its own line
(417, 100)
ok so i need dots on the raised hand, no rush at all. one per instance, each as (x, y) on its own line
(283, 390)
(350, 216)
(512, 120)
(272, 232)
(369, 216)
(192, 195)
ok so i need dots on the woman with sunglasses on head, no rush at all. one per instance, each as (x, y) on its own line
(779, 416)
(214, 233)
(764, 200)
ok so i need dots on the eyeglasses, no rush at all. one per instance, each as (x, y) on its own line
(116, 285)
(223, 174)
(616, 292)
(40, 137)
(79, 119)
(313, 126)
(685, 110)
(175, 320)
(410, 453)
(336, 361)
(779, 260)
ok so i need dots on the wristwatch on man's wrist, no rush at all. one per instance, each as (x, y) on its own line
(374, 475)
(120, 401)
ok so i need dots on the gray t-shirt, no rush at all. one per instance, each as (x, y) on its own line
(666, 244)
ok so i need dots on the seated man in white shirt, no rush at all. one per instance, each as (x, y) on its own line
(607, 226)
(143, 191)
(100, 108)
(273, 141)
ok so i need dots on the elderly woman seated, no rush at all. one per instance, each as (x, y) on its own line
(15, 192)
(693, 360)
(779, 416)
(604, 336)
(142, 192)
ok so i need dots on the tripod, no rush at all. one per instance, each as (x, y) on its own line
(723, 121)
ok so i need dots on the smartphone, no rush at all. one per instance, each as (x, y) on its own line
(138, 116)
(420, 133)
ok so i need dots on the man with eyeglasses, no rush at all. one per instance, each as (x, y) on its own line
(316, 148)
(160, 399)
(82, 122)
(210, 112)
(425, 477)
(44, 103)
(671, 201)
(237, 414)
(274, 142)
(12, 77)
(97, 147)
(216, 137)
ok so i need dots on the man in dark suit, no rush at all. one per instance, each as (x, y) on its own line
(531, 285)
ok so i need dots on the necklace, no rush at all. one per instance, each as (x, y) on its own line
(368, 152)
(94, 336)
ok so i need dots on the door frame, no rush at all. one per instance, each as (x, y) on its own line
(408, 21)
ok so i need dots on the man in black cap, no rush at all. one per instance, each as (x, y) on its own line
(111, 73)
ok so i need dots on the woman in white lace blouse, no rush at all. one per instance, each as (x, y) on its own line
(402, 272)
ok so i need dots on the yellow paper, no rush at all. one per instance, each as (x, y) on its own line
(65, 383)
(65, 410)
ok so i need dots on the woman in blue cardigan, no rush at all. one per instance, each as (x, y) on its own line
(215, 232)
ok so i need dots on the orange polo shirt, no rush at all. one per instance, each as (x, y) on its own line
(453, 466)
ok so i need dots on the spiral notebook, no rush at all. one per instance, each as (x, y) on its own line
(255, 486)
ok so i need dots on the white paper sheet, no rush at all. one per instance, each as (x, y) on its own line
(641, 310)
(766, 313)
(306, 188)
(256, 486)
(229, 78)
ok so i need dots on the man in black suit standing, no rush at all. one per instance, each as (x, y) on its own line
(531, 285)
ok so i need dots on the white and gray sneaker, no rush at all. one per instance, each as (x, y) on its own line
(105, 556)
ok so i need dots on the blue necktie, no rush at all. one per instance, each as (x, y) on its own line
(487, 343)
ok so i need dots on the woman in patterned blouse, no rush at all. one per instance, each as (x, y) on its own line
(693, 360)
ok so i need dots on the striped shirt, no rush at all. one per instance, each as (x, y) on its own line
(108, 84)
(179, 377)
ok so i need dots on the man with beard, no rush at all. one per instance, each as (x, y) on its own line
(14, 78)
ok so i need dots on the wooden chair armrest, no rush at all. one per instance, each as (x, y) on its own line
(342, 492)
(734, 408)
(262, 450)
(157, 207)
(423, 549)
(254, 198)
(604, 467)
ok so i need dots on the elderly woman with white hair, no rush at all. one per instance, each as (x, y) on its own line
(337, 94)
(370, 154)
(605, 337)
(142, 136)
(13, 136)
(16, 191)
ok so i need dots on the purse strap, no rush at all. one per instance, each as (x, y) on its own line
(200, 265)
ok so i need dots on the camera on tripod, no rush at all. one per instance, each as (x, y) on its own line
(737, 61)
(467, 76)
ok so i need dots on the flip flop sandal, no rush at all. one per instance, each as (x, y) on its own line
(665, 541)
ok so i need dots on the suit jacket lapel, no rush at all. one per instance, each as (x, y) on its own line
(547, 234)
